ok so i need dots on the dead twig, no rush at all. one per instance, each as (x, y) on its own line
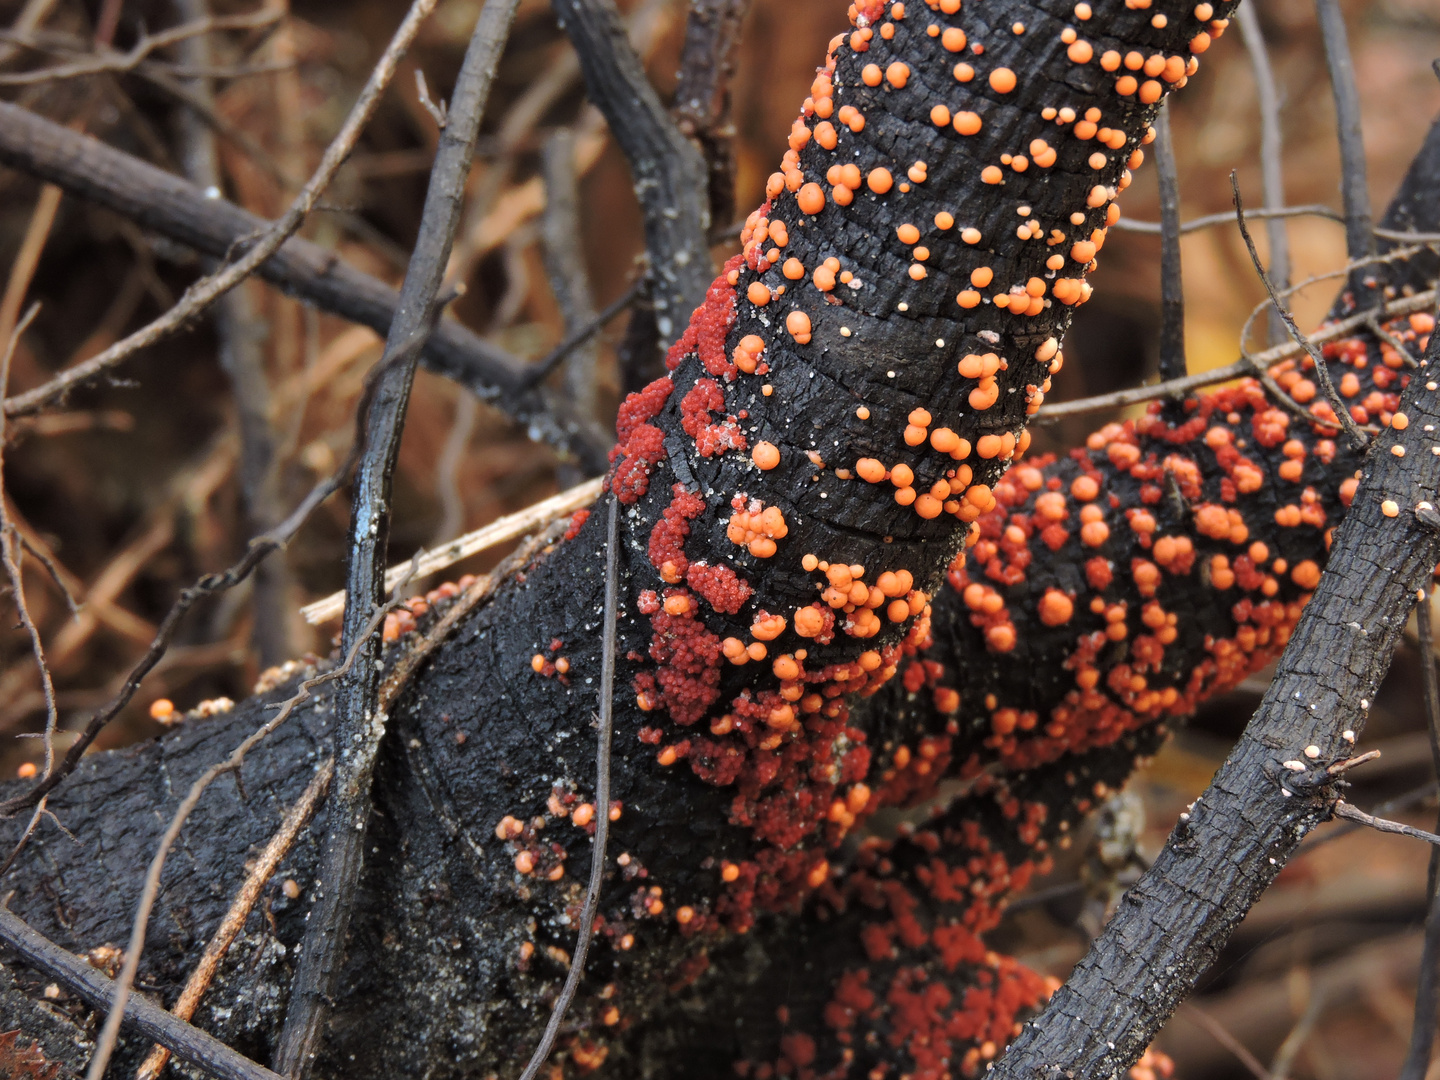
(1222, 1035)
(360, 723)
(234, 921)
(602, 800)
(1345, 810)
(1341, 328)
(110, 60)
(575, 339)
(115, 1006)
(1172, 292)
(1322, 372)
(1354, 191)
(1271, 178)
(462, 547)
(208, 289)
(77, 975)
(10, 551)
(560, 234)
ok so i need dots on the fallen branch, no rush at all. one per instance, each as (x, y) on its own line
(189, 1044)
(1238, 835)
(360, 722)
(207, 290)
(180, 211)
(462, 547)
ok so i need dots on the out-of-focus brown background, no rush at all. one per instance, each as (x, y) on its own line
(133, 487)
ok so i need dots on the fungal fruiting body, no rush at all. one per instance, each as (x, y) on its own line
(836, 422)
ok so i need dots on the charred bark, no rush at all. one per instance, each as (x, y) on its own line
(477, 922)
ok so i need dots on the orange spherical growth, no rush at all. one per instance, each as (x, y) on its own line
(880, 181)
(765, 455)
(798, 323)
(810, 198)
(767, 627)
(927, 506)
(908, 234)
(758, 293)
(945, 440)
(748, 352)
(897, 74)
(758, 530)
(1002, 80)
(870, 470)
(809, 622)
(967, 123)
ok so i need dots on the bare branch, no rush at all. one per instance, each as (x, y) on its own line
(109, 60)
(1172, 292)
(1271, 177)
(462, 547)
(207, 290)
(1322, 372)
(1354, 191)
(189, 1044)
(602, 799)
(1335, 331)
(359, 720)
(260, 872)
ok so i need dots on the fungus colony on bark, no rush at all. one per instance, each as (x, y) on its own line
(1089, 562)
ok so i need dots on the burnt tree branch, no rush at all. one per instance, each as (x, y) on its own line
(360, 721)
(180, 211)
(668, 171)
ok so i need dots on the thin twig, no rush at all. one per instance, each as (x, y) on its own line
(208, 289)
(1354, 192)
(239, 337)
(77, 975)
(1342, 328)
(234, 921)
(1172, 292)
(538, 372)
(1392, 256)
(110, 60)
(462, 547)
(1322, 372)
(360, 723)
(105, 1043)
(563, 251)
(10, 551)
(1222, 1035)
(436, 109)
(1209, 221)
(1427, 990)
(602, 800)
(1271, 163)
(1342, 809)
(1295, 1039)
